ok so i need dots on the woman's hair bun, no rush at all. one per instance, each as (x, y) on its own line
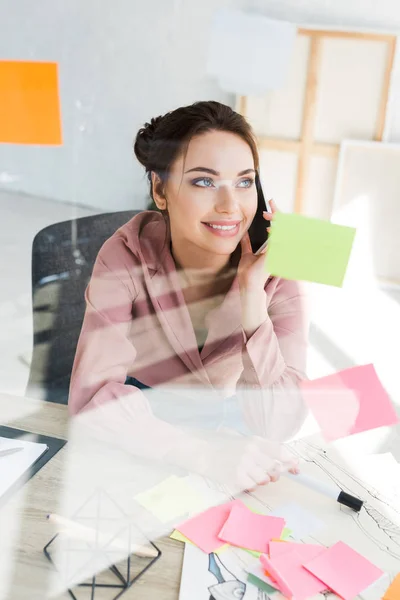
(144, 140)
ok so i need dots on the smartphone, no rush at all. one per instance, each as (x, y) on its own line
(258, 233)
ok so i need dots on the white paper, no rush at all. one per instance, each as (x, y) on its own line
(16, 465)
(300, 521)
(249, 54)
(228, 579)
(374, 532)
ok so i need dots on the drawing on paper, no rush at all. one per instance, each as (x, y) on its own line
(374, 531)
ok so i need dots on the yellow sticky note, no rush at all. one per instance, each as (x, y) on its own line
(176, 535)
(30, 105)
(170, 499)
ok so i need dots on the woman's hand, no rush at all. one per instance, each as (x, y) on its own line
(252, 274)
(240, 463)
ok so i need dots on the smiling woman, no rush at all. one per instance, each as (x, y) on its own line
(179, 300)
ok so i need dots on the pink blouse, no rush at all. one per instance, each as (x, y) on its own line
(137, 324)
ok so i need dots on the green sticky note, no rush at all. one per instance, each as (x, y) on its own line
(260, 584)
(253, 552)
(306, 249)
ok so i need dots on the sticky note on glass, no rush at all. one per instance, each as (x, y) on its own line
(246, 529)
(343, 570)
(305, 249)
(348, 402)
(249, 53)
(30, 105)
(170, 499)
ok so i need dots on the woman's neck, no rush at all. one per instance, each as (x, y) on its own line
(199, 262)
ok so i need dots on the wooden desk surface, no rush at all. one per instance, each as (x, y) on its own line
(24, 570)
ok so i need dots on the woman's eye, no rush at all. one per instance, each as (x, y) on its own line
(203, 182)
(246, 183)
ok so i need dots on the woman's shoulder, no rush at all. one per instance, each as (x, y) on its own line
(141, 240)
(280, 289)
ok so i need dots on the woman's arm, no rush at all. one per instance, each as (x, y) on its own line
(275, 332)
(119, 413)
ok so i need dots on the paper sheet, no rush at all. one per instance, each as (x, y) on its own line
(17, 465)
(30, 105)
(374, 532)
(303, 248)
(220, 577)
(249, 53)
(300, 521)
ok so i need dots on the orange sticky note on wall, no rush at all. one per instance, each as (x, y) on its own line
(393, 591)
(29, 103)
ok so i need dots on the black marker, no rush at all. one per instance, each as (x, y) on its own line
(330, 490)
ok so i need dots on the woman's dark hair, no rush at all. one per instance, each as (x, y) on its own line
(161, 141)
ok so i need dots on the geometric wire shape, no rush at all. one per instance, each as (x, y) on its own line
(124, 582)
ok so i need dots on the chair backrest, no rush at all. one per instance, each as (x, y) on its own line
(63, 256)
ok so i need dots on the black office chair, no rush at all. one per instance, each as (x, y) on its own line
(63, 256)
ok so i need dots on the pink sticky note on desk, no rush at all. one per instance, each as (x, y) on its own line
(307, 551)
(246, 529)
(289, 568)
(276, 576)
(203, 529)
(349, 402)
(343, 570)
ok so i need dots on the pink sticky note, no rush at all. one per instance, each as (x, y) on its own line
(203, 529)
(289, 566)
(349, 402)
(249, 530)
(307, 551)
(275, 548)
(343, 570)
(276, 576)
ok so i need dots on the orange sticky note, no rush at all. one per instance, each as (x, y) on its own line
(29, 101)
(393, 591)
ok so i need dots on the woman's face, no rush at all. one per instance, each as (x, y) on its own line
(211, 195)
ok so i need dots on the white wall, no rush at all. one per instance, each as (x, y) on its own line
(121, 63)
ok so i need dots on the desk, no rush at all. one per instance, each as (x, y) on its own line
(28, 576)
(29, 572)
